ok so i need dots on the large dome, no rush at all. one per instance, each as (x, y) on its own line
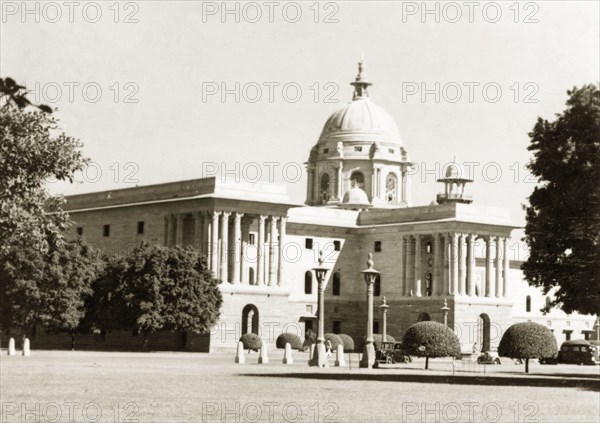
(360, 120)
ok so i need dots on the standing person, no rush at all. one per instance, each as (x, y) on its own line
(328, 347)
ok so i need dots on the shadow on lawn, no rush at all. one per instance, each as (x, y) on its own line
(564, 381)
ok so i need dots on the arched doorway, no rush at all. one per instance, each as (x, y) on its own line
(483, 332)
(250, 319)
(424, 317)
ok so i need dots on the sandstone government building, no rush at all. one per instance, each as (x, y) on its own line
(262, 246)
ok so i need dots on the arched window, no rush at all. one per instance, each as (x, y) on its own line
(336, 283)
(528, 304)
(428, 284)
(429, 247)
(391, 188)
(324, 194)
(424, 317)
(377, 286)
(308, 282)
(251, 280)
(357, 179)
(250, 319)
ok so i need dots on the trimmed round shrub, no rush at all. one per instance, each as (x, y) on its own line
(430, 340)
(251, 341)
(528, 340)
(347, 341)
(292, 339)
(378, 339)
(334, 339)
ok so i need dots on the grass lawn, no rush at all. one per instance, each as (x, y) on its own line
(63, 386)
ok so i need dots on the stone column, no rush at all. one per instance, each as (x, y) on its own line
(488, 267)
(309, 185)
(206, 230)
(417, 286)
(198, 228)
(237, 247)
(462, 268)
(281, 261)
(179, 233)
(224, 246)
(436, 265)
(471, 265)
(505, 265)
(340, 181)
(244, 265)
(214, 243)
(260, 246)
(272, 255)
(454, 264)
(447, 263)
(498, 266)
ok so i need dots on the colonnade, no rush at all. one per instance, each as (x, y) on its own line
(452, 262)
(233, 253)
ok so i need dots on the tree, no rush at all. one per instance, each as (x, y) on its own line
(430, 340)
(49, 288)
(528, 340)
(155, 288)
(563, 215)
(31, 152)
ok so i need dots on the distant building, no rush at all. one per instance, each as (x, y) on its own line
(358, 201)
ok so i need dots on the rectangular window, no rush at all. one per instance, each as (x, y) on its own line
(376, 326)
(377, 246)
(337, 245)
(337, 327)
(80, 230)
(106, 230)
(251, 239)
(325, 150)
(140, 228)
(391, 150)
(308, 325)
(359, 149)
(308, 243)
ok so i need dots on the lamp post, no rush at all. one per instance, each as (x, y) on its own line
(384, 308)
(319, 358)
(368, 357)
(445, 310)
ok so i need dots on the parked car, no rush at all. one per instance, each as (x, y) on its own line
(391, 352)
(488, 357)
(578, 352)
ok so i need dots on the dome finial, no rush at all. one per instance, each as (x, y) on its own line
(360, 82)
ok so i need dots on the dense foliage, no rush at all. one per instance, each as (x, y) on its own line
(563, 215)
(285, 338)
(154, 288)
(528, 340)
(251, 341)
(334, 339)
(431, 340)
(347, 341)
(32, 151)
(47, 287)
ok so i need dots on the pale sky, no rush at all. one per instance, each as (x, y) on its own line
(176, 51)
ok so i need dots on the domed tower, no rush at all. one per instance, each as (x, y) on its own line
(359, 147)
(454, 186)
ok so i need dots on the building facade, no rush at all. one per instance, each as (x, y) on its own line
(452, 253)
